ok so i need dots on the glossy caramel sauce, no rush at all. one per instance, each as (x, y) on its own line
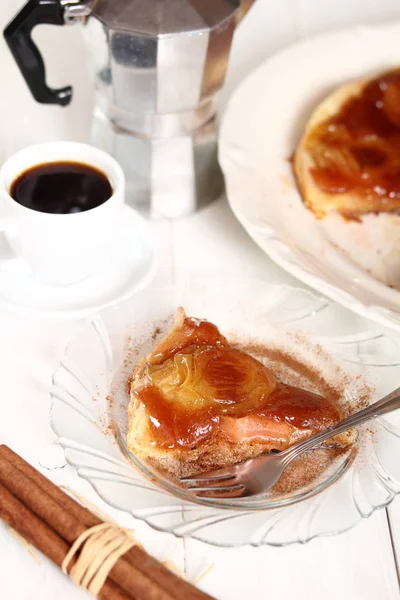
(173, 426)
(193, 332)
(300, 408)
(202, 379)
(358, 149)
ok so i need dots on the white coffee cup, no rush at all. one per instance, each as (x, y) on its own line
(60, 248)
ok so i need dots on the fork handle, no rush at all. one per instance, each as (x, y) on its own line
(387, 404)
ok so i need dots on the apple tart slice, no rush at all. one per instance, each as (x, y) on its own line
(347, 167)
(197, 403)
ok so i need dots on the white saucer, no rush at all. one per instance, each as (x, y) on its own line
(129, 267)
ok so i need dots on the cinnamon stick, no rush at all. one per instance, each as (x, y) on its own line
(78, 511)
(42, 537)
(68, 527)
(148, 578)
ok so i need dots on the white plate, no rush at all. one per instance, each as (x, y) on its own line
(261, 127)
(129, 267)
(89, 402)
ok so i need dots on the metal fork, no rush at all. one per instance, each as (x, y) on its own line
(258, 475)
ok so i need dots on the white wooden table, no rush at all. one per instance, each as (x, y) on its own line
(357, 564)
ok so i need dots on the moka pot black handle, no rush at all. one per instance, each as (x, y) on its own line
(26, 53)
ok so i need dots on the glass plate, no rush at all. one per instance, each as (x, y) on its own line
(312, 341)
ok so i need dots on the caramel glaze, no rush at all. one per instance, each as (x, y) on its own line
(192, 333)
(358, 149)
(220, 381)
(300, 408)
(174, 427)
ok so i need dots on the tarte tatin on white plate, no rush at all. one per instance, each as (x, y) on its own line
(347, 166)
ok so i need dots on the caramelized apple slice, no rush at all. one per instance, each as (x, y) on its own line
(357, 148)
(224, 379)
(255, 427)
(184, 333)
(174, 426)
(289, 415)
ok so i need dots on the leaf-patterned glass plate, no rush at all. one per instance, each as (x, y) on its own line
(307, 339)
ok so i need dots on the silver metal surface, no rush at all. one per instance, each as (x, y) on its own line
(160, 17)
(166, 177)
(157, 67)
(159, 58)
(180, 70)
(258, 475)
(75, 14)
(75, 11)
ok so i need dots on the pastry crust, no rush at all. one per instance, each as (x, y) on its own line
(322, 203)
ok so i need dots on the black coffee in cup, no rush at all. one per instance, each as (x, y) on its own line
(61, 188)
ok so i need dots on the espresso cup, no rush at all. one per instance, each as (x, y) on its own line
(60, 249)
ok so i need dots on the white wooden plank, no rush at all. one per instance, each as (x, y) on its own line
(213, 244)
(162, 232)
(28, 577)
(314, 16)
(394, 522)
(270, 26)
(354, 565)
